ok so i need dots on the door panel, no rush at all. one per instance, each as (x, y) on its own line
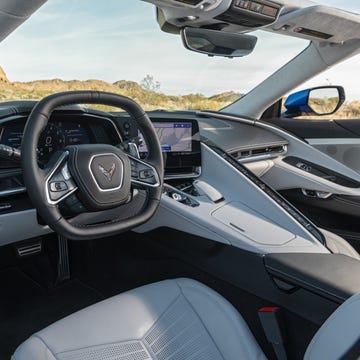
(339, 139)
(339, 214)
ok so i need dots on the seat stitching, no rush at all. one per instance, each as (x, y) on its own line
(162, 314)
(224, 311)
(98, 345)
(206, 329)
(45, 344)
(148, 346)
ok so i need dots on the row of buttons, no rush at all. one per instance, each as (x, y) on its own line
(256, 7)
(57, 186)
(250, 5)
(140, 171)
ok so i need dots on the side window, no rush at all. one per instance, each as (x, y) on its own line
(336, 134)
(345, 75)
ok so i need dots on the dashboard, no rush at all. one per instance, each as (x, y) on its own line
(220, 175)
(179, 138)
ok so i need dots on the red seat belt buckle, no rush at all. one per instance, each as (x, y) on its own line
(273, 325)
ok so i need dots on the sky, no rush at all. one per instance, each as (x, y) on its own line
(122, 41)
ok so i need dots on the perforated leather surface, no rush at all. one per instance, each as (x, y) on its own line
(174, 319)
(180, 334)
(133, 350)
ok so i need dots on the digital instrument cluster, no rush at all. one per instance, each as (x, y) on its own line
(56, 136)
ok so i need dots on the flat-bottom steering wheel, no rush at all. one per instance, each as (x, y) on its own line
(102, 176)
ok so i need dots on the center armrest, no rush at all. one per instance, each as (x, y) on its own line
(333, 276)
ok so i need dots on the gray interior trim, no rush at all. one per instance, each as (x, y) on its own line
(249, 199)
(346, 152)
(12, 232)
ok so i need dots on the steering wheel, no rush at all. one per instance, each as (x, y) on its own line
(103, 176)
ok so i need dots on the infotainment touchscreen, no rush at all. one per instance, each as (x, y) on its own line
(180, 144)
(173, 136)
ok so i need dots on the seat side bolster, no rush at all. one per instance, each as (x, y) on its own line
(338, 334)
(33, 349)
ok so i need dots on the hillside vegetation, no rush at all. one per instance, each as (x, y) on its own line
(149, 98)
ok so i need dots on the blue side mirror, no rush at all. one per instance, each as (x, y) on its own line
(324, 100)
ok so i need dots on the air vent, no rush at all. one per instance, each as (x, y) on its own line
(189, 2)
(253, 154)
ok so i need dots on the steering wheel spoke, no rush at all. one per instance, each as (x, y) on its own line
(143, 174)
(59, 183)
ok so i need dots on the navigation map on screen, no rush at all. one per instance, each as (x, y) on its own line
(173, 136)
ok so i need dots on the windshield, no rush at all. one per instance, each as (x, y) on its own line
(119, 47)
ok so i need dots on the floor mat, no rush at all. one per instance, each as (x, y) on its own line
(26, 307)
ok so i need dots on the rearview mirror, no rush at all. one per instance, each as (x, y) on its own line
(323, 100)
(217, 43)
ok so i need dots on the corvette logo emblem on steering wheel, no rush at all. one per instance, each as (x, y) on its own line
(108, 173)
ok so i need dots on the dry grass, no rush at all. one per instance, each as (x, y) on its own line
(149, 100)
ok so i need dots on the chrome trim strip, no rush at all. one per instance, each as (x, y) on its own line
(57, 165)
(14, 191)
(273, 155)
(334, 141)
(157, 178)
(192, 175)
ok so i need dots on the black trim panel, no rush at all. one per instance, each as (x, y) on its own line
(321, 171)
(333, 276)
(310, 129)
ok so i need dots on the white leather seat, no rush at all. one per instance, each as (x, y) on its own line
(173, 319)
(178, 320)
(338, 335)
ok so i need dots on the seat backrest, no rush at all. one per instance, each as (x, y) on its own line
(339, 337)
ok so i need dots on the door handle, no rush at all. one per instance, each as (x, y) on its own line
(316, 194)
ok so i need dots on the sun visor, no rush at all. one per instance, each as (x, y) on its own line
(320, 23)
(14, 12)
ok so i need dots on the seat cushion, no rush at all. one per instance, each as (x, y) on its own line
(172, 319)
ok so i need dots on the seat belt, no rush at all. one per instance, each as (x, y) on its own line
(273, 325)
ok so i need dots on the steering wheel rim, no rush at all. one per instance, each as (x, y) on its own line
(37, 179)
